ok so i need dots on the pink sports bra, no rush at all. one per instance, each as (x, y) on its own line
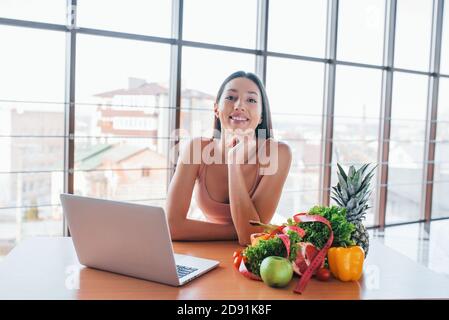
(215, 211)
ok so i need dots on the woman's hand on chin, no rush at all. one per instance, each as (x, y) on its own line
(242, 148)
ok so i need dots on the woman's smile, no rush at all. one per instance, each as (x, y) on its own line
(238, 118)
(239, 107)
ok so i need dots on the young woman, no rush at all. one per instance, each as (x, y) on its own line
(239, 173)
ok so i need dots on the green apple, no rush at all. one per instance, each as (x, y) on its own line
(276, 271)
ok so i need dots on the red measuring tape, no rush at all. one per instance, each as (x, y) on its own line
(319, 258)
(281, 232)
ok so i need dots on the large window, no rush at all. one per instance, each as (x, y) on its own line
(405, 175)
(31, 133)
(49, 11)
(445, 42)
(121, 119)
(440, 206)
(361, 30)
(356, 121)
(231, 22)
(295, 90)
(308, 20)
(413, 33)
(132, 16)
(128, 95)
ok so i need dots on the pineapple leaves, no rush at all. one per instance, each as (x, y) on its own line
(342, 172)
(363, 168)
(351, 171)
(352, 191)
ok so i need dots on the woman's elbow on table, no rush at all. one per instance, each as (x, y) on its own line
(173, 234)
(174, 228)
(244, 240)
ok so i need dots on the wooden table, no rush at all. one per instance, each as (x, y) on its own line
(47, 268)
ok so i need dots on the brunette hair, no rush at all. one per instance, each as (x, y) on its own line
(266, 114)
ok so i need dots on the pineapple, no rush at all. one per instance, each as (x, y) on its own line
(352, 192)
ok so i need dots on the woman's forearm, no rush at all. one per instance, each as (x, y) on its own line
(242, 207)
(196, 230)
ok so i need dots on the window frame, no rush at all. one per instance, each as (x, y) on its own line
(261, 54)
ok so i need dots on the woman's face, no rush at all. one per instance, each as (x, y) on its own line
(240, 105)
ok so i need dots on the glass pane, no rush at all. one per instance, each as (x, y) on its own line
(407, 130)
(200, 85)
(31, 189)
(31, 137)
(32, 81)
(292, 203)
(120, 71)
(305, 170)
(52, 11)
(120, 168)
(403, 203)
(112, 152)
(443, 100)
(297, 120)
(361, 30)
(121, 119)
(442, 135)
(135, 16)
(405, 164)
(407, 136)
(297, 27)
(21, 223)
(409, 107)
(32, 56)
(356, 120)
(357, 95)
(444, 68)
(413, 31)
(440, 203)
(302, 178)
(27, 145)
(441, 173)
(405, 175)
(354, 152)
(31, 119)
(123, 185)
(231, 22)
(31, 154)
(301, 79)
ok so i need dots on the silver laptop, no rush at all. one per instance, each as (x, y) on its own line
(129, 239)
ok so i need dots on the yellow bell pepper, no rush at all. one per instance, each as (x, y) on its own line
(346, 264)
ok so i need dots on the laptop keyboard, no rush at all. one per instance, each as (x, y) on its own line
(183, 270)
